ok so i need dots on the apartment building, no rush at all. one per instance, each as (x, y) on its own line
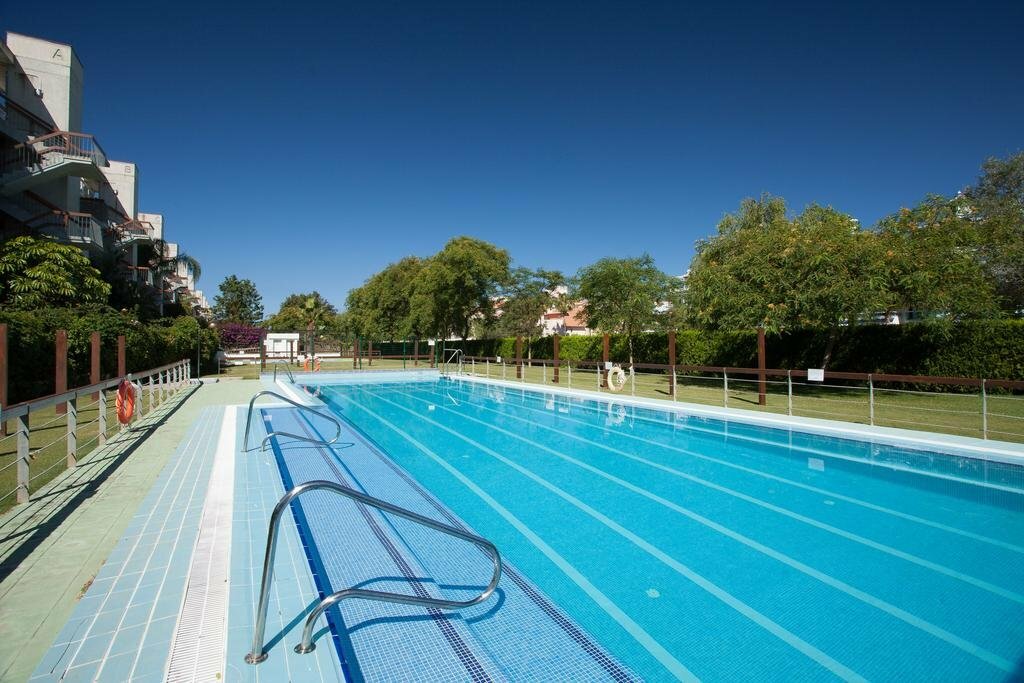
(57, 180)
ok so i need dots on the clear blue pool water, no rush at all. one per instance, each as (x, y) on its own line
(698, 548)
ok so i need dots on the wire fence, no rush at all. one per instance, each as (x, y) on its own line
(51, 434)
(990, 409)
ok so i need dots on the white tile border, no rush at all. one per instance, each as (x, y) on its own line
(996, 451)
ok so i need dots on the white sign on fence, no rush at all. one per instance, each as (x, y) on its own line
(815, 374)
(498, 359)
(431, 342)
(607, 365)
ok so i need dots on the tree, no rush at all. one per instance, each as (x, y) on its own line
(238, 302)
(932, 257)
(381, 308)
(624, 295)
(996, 206)
(763, 269)
(310, 313)
(457, 285)
(525, 300)
(39, 272)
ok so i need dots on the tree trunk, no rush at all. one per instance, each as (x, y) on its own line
(833, 337)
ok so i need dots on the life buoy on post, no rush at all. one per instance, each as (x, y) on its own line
(125, 402)
(305, 364)
(616, 379)
(316, 364)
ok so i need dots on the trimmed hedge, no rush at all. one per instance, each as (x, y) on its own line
(993, 349)
(32, 354)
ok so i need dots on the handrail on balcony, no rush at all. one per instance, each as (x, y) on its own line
(69, 143)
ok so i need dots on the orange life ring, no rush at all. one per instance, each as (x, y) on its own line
(125, 402)
(305, 364)
(316, 365)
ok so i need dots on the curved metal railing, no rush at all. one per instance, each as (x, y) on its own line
(257, 654)
(298, 437)
(287, 368)
(449, 358)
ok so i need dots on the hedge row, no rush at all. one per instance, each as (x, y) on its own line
(990, 349)
(32, 353)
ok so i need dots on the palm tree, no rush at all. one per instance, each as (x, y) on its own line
(164, 266)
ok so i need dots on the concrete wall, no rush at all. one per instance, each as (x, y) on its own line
(157, 220)
(52, 69)
(123, 177)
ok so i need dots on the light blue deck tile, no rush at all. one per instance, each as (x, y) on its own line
(81, 674)
(117, 667)
(127, 640)
(161, 632)
(152, 660)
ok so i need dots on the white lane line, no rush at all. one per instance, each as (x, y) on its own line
(897, 612)
(789, 482)
(848, 535)
(638, 633)
(761, 620)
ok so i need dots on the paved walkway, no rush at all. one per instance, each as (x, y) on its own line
(52, 548)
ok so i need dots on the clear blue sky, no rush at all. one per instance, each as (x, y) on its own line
(306, 148)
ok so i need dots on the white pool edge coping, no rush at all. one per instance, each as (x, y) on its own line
(949, 444)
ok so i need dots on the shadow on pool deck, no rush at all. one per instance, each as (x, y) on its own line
(30, 524)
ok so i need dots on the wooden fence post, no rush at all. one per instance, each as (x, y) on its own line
(60, 380)
(122, 364)
(519, 357)
(762, 398)
(94, 361)
(557, 354)
(605, 348)
(416, 352)
(672, 362)
(369, 351)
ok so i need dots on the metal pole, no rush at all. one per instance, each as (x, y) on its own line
(984, 411)
(544, 372)
(632, 381)
(871, 399)
(72, 438)
(487, 368)
(503, 369)
(725, 388)
(674, 385)
(568, 368)
(23, 455)
(789, 391)
(102, 436)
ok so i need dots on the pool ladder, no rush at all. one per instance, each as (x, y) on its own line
(300, 406)
(287, 369)
(258, 654)
(447, 360)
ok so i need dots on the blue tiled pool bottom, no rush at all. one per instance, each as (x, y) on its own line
(695, 548)
(517, 635)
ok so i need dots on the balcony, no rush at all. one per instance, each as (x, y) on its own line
(49, 156)
(19, 123)
(134, 230)
(138, 274)
(71, 226)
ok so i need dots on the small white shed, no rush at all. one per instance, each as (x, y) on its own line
(281, 344)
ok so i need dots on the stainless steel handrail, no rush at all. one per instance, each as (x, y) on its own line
(257, 654)
(448, 360)
(287, 368)
(299, 437)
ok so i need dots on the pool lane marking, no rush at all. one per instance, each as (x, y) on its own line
(856, 593)
(761, 620)
(634, 629)
(838, 496)
(792, 447)
(848, 535)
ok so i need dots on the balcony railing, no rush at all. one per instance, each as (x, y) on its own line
(49, 150)
(133, 230)
(138, 274)
(71, 226)
(18, 121)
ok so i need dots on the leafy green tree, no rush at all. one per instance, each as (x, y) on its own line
(625, 295)
(381, 308)
(525, 300)
(995, 204)
(238, 302)
(932, 256)
(458, 285)
(763, 269)
(311, 314)
(39, 272)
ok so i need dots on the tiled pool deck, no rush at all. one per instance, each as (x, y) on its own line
(179, 515)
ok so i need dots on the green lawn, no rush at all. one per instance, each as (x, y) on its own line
(48, 443)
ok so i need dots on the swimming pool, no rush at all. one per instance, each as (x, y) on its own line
(698, 548)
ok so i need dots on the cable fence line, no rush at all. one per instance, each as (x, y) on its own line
(32, 454)
(881, 399)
